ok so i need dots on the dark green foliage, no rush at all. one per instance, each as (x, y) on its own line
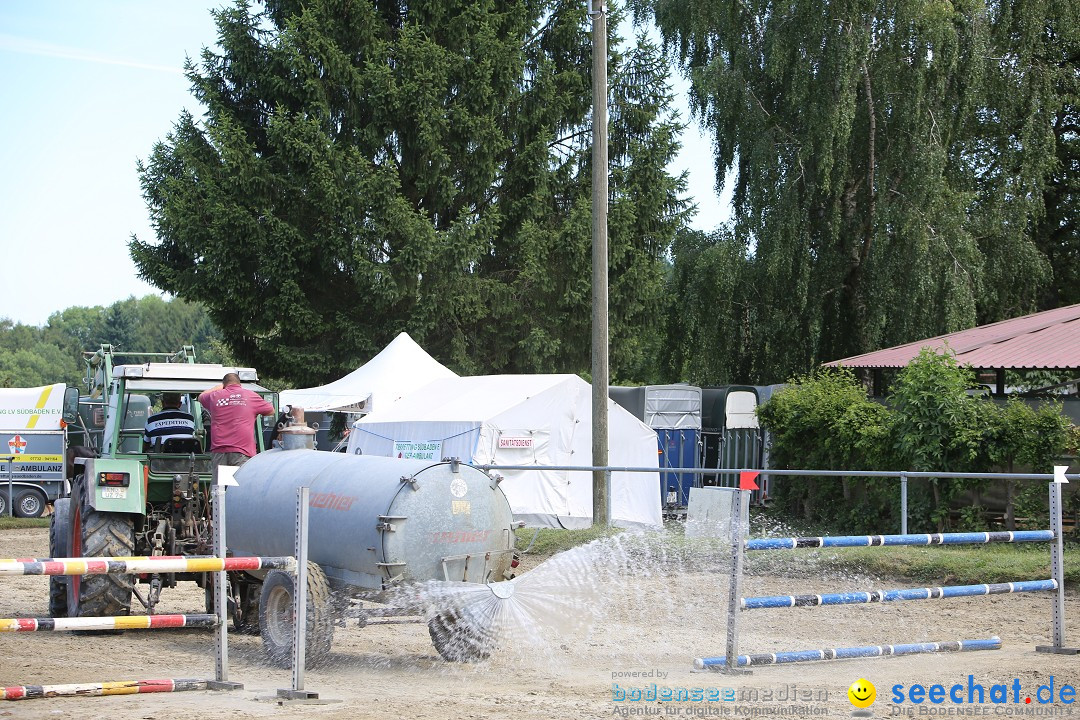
(825, 421)
(364, 168)
(931, 423)
(1028, 150)
(939, 426)
(813, 423)
(711, 316)
(32, 356)
(28, 360)
(901, 170)
(1021, 435)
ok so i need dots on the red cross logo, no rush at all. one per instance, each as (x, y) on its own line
(17, 445)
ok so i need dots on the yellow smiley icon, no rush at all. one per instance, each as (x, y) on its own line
(862, 693)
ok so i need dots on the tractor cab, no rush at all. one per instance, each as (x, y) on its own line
(137, 498)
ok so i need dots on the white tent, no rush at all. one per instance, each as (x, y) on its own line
(542, 420)
(401, 367)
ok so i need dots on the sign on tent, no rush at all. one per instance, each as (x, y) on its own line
(418, 450)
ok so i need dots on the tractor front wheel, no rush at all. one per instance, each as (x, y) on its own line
(59, 547)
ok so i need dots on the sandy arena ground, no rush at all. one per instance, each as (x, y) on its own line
(657, 623)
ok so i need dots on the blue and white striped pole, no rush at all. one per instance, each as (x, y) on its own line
(865, 651)
(875, 596)
(838, 541)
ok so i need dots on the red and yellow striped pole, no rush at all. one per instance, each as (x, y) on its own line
(123, 687)
(123, 622)
(140, 565)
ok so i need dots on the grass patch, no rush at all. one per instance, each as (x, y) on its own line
(925, 566)
(932, 566)
(968, 565)
(12, 523)
(550, 540)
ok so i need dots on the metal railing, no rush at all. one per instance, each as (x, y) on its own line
(902, 475)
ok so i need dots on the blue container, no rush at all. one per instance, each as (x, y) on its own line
(678, 449)
(674, 412)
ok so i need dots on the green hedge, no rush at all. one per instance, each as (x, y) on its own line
(825, 421)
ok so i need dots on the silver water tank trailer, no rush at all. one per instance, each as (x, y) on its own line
(374, 521)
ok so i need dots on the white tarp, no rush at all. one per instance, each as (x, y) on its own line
(673, 407)
(39, 408)
(401, 367)
(741, 409)
(542, 420)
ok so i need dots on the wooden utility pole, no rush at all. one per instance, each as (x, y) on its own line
(601, 479)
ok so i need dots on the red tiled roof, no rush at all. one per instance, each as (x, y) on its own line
(1049, 339)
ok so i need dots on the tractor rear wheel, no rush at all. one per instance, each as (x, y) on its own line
(96, 535)
(276, 616)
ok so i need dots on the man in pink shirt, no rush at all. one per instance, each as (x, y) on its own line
(233, 410)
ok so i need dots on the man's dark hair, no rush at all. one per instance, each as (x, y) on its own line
(170, 400)
(230, 379)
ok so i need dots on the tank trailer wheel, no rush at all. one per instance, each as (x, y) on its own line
(98, 534)
(59, 547)
(276, 617)
(4, 502)
(458, 640)
(29, 504)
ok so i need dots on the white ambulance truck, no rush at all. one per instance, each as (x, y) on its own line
(32, 447)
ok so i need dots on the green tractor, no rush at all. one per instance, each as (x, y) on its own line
(126, 498)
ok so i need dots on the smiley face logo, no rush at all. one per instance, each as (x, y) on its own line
(862, 693)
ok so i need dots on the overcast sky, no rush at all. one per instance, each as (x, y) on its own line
(88, 88)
